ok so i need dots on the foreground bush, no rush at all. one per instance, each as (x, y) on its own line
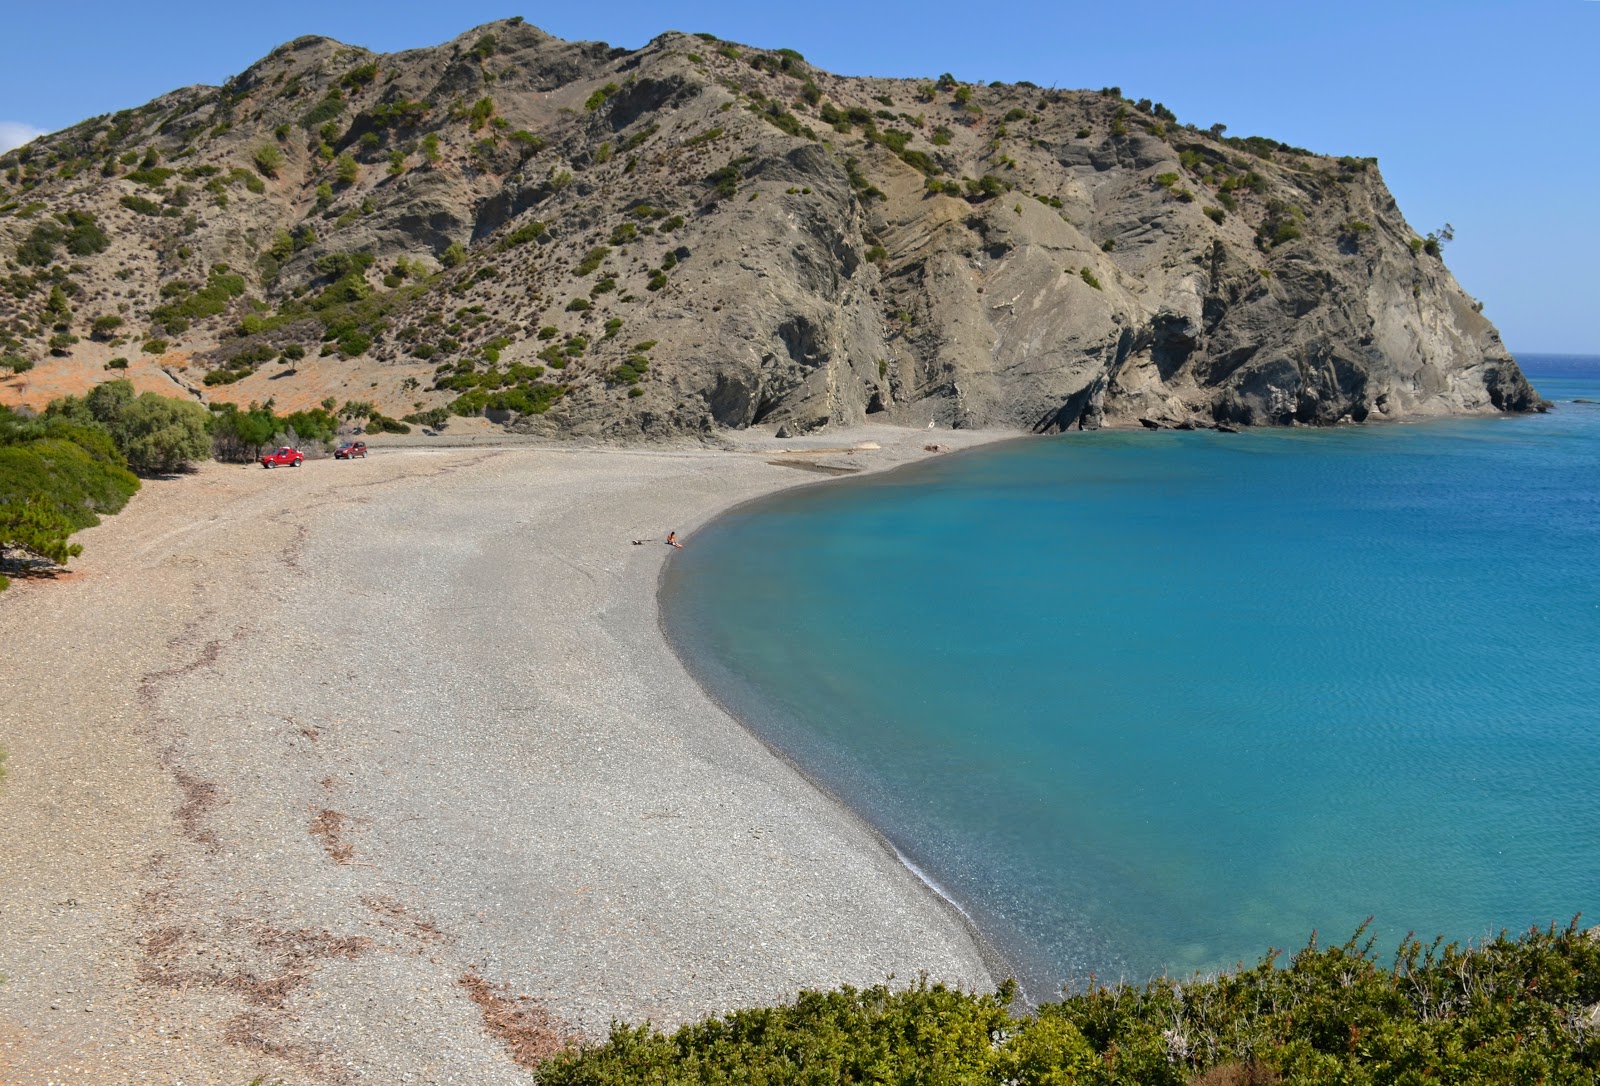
(156, 434)
(1507, 1011)
(56, 476)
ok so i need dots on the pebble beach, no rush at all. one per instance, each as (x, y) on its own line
(383, 771)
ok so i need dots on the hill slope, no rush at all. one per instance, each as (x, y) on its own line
(601, 241)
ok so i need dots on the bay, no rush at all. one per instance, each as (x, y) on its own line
(1144, 702)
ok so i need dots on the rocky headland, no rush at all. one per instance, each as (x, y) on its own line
(578, 239)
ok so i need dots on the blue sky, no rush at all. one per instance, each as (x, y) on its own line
(1480, 114)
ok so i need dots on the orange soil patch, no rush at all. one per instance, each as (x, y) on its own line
(54, 378)
(299, 387)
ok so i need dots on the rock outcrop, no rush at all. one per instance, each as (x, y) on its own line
(694, 235)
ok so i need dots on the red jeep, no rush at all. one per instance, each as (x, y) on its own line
(285, 455)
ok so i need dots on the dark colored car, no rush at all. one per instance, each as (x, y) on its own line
(279, 457)
(349, 450)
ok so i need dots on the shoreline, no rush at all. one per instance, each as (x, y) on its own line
(303, 753)
(999, 966)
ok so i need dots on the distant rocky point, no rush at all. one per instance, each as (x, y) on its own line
(572, 238)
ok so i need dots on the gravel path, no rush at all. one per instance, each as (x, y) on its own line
(383, 772)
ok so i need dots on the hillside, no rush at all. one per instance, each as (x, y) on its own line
(579, 239)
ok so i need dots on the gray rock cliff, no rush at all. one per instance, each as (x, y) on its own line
(692, 235)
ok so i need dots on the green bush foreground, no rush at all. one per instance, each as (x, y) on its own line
(1506, 1011)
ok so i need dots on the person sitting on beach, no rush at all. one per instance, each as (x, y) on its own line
(672, 540)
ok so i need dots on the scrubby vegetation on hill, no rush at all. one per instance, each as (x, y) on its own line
(804, 246)
(1507, 1011)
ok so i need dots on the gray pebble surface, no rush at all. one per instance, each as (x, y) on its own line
(292, 753)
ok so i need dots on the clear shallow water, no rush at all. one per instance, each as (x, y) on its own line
(1162, 701)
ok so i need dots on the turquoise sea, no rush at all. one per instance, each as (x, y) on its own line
(1161, 701)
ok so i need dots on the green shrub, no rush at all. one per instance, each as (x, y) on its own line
(929, 1034)
(240, 176)
(140, 205)
(76, 231)
(598, 98)
(523, 234)
(479, 116)
(1504, 1011)
(725, 180)
(151, 176)
(592, 260)
(1281, 232)
(359, 77)
(154, 346)
(578, 305)
(1215, 214)
(189, 304)
(225, 376)
(383, 424)
(117, 364)
(38, 531)
(268, 159)
(347, 169)
(435, 417)
(57, 475)
(1089, 277)
(324, 111)
(987, 186)
(658, 280)
(156, 434)
(399, 114)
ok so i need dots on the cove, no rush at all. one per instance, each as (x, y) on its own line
(1144, 702)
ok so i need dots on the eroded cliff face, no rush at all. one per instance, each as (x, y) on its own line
(580, 239)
